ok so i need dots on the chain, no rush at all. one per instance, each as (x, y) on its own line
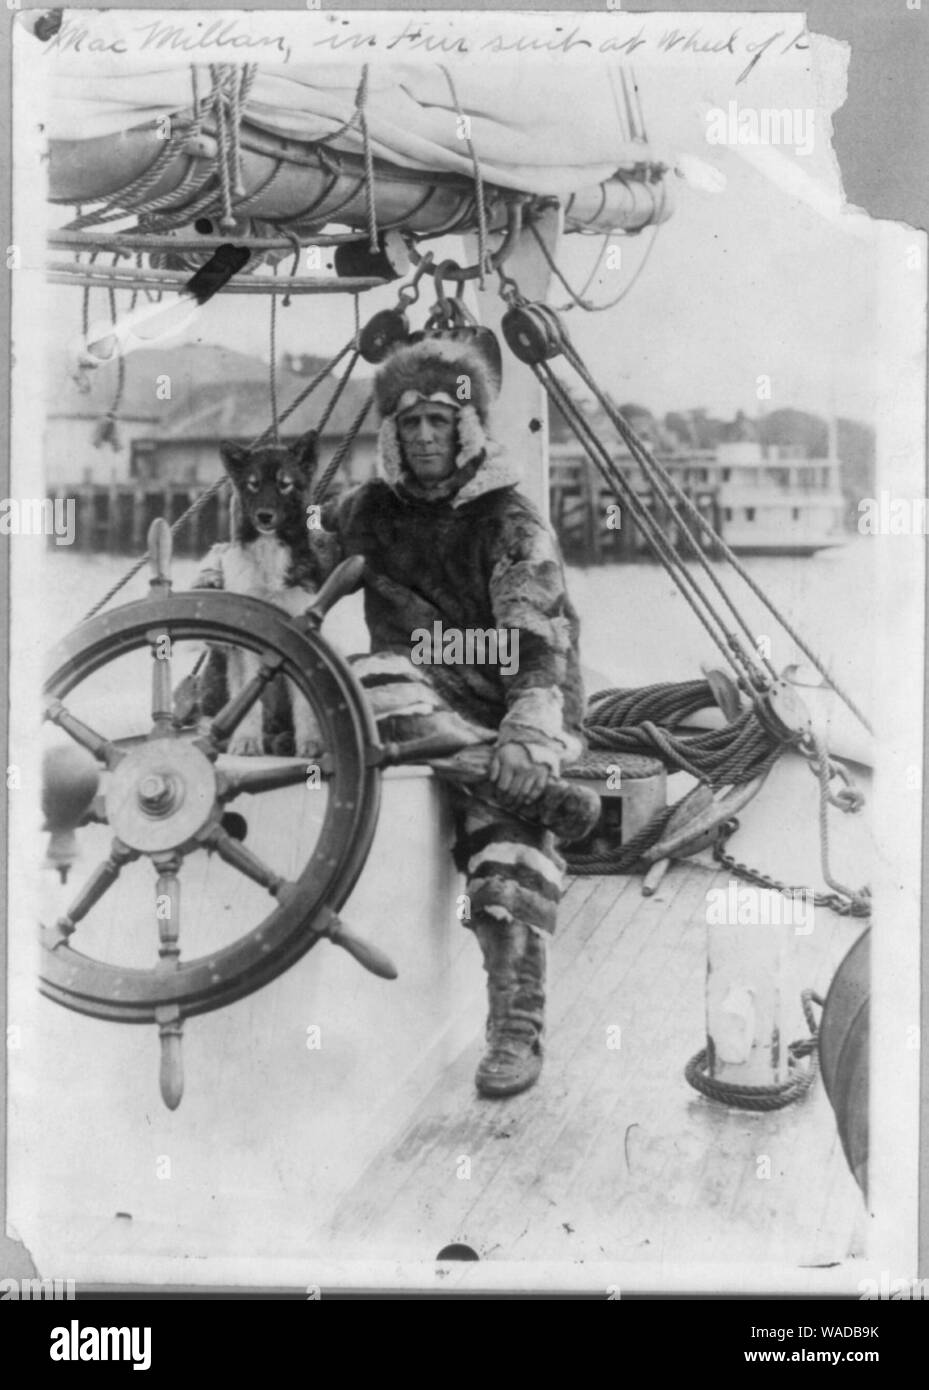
(844, 907)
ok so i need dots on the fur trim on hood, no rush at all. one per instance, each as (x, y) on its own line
(458, 369)
(435, 364)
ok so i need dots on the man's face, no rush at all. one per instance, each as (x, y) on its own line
(429, 439)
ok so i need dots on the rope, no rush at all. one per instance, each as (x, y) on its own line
(121, 360)
(222, 135)
(579, 300)
(726, 642)
(335, 463)
(306, 392)
(478, 180)
(361, 100)
(340, 387)
(272, 374)
(666, 486)
(845, 907)
(643, 721)
(221, 182)
(113, 209)
(860, 902)
(625, 858)
(656, 471)
(777, 1095)
(646, 459)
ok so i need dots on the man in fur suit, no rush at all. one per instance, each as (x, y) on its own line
(448, 539)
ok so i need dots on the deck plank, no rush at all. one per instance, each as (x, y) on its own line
(447, 1118)
(453, 1124)
(588, 1073)
(612, 1156)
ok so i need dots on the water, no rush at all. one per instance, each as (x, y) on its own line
(636, 627)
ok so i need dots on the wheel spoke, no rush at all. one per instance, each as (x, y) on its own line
(235, 710)
(162, 696)
(234, 852)
(102, 748)
(168, 912)
(270, 775)
(102, 878)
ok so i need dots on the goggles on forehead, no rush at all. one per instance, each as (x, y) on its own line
(410, 399)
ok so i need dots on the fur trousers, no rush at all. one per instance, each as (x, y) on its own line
(512, 867)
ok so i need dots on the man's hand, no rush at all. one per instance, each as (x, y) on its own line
(518, 780)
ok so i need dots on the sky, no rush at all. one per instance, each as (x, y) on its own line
(764, 277)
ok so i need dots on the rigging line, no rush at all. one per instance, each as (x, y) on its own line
(611, 303)
(362, 101)
(630, 117)
(272, 379)
(607, 237)
(117, 207)
(227, 222)
(217, 486)
(294, 240)
(638, 103)
(649, 526)
(731, 646)
(478, 180)
(121, 357)
(666, 486)
(625, 429)
(581, 299)
(241, 81)
(190, 183)
(85, 297)
(298, 400)
(342, 452)
(243, 202)
(340, 387)
(352, 121)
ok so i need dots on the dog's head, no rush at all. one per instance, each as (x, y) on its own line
(272, 483)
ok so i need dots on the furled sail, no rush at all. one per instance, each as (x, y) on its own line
(305, 131)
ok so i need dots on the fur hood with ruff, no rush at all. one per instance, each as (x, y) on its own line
(438, 364)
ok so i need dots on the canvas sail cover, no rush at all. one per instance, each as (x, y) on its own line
(519, 126)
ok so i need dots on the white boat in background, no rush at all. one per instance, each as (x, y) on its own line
(773, 502)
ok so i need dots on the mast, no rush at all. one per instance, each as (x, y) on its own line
(521, 416)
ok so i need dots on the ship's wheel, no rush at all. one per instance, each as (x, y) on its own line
(164, 795)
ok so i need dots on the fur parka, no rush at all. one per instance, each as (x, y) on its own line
(476, 557)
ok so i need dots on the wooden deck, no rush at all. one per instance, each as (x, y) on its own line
(612, 1156)
(373, 1150)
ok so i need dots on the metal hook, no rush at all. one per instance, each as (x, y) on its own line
(409, 293)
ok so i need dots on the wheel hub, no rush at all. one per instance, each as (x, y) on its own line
(160, 795)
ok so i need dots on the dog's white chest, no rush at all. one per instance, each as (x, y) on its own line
(260, 569)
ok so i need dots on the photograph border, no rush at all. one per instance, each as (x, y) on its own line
(892, 189)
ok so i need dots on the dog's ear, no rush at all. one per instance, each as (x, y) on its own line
(306, 453)
(234, 456)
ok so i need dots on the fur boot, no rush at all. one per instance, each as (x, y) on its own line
(514, 958)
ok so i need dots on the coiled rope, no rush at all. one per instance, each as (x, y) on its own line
(776, 1095)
